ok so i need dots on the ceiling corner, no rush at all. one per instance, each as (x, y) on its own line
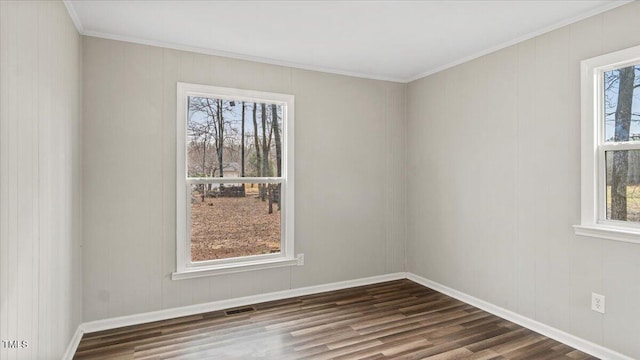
(74, 16)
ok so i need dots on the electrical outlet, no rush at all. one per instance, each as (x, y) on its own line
(300, 258)
(597, 302)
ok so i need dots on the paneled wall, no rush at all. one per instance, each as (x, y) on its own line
(494, 181)
(350, 198)
(40, 179)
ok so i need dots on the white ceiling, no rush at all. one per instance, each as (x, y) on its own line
(389, 40)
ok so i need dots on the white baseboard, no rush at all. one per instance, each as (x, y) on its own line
(112, 323)
(561, 336)
(73, 344)
(546, 330)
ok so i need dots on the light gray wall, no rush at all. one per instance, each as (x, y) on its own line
(349, 152)
(40, 178)
(494, 184)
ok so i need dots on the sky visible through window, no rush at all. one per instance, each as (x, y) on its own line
(232, 114)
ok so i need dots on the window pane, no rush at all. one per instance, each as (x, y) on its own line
(623, 185)
(228, 138)
(622, 104)
(231, 220)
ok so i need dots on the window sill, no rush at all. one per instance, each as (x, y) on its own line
(196, 272)
(608, 232)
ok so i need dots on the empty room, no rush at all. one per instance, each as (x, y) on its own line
(319, 179)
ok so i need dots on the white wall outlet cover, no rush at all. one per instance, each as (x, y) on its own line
(300, 258)
(597, 302)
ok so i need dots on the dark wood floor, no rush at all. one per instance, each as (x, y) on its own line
(398, 319)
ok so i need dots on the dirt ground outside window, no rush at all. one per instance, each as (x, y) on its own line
(226, 227)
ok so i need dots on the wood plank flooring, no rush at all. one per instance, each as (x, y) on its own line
(392, 320)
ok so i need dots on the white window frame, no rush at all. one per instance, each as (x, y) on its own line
(185, 268)
(593, 220)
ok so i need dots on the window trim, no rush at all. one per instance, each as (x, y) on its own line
(593, 222)
(185, 268)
